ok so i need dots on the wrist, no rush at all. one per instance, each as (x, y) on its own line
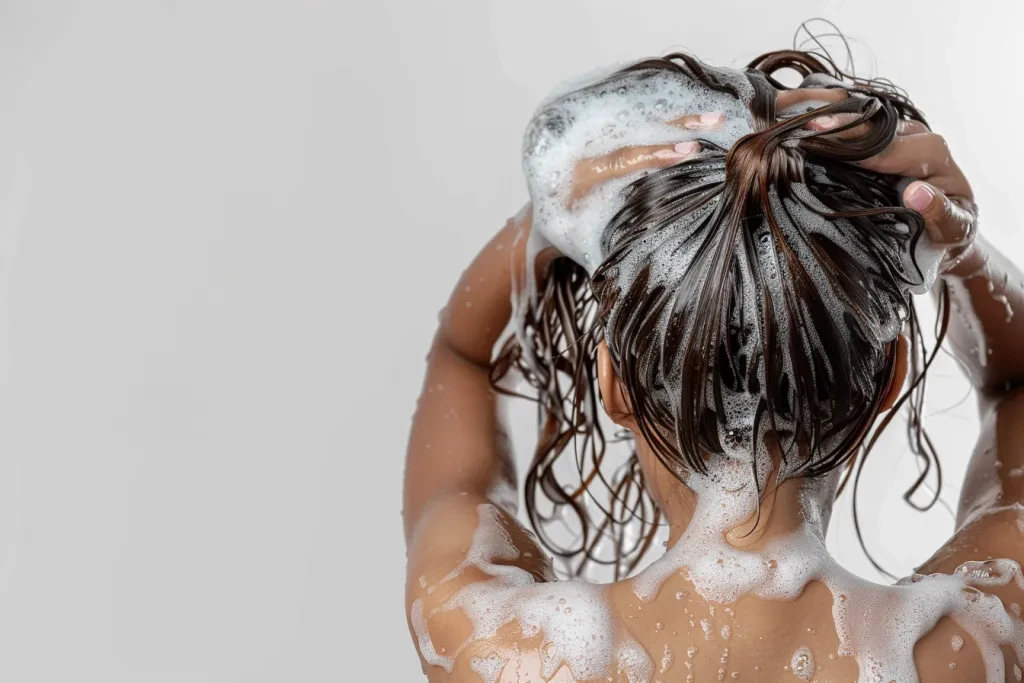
(968, 263)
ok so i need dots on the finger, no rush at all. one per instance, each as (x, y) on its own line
(832, 121)
(706, 121)
(836, 122)
(592, 172)
(804, 98)
(925, 155)
(950, 221)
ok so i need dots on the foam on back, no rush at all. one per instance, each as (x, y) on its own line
(877, 625)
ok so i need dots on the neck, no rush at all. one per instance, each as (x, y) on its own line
(782, 508)
(730, 538)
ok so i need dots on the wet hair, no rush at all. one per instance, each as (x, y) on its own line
(794, 287)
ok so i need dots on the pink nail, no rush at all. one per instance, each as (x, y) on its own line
(712, 118)
(686, 148)
(920, 198)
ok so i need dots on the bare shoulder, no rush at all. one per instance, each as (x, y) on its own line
(483, 603)
(470, 563)
(987, 643)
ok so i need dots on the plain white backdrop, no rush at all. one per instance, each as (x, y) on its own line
(226, 229)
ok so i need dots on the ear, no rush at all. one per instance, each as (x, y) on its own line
(899, 374)
(615, 402)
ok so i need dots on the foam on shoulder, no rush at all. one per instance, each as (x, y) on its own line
(572, 617)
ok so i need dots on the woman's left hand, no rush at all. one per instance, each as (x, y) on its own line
(939, 192)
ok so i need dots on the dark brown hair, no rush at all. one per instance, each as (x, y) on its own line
(782, 224)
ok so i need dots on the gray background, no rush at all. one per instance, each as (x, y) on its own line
(226, 229)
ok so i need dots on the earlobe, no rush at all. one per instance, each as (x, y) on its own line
(899, 374)
(615, 402)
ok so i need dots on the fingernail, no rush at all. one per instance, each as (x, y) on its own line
(712, 118)
(920, 197)
(689, 147)
(668, 154)
(824, 122)
(709, 120)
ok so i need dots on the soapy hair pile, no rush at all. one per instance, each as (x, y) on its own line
(748, 293)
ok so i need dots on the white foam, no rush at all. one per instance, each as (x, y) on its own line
(667, 658)
(490, 542)
(626, 110)
(573, 616)
(489, 668)
(802, 664)
(423, 641)
(877, 625)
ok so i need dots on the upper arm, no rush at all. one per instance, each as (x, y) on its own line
(995, 475)
(457, 442)
(990, 519)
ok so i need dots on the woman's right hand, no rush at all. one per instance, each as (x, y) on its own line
(591, 172)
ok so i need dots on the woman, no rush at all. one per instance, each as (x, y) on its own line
(727, 264)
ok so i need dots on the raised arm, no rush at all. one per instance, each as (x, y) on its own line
(987, 335)
(457, 444)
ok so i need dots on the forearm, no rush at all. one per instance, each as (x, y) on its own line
(986, 332)
(986, 328)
